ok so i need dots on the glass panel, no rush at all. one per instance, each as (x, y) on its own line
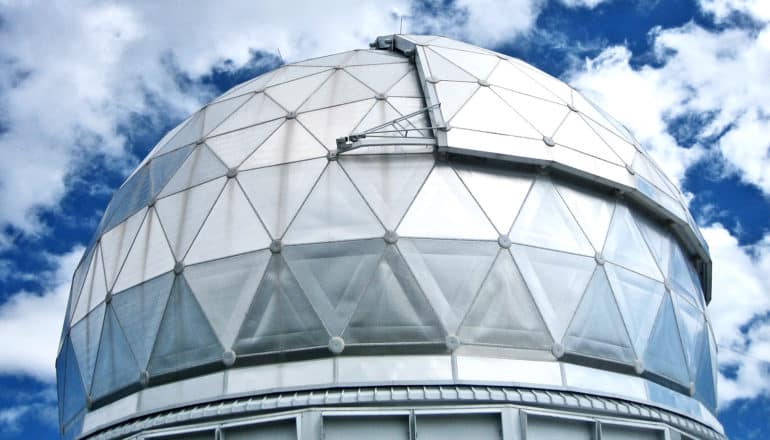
(705, 391)
(592, 212)
(85, 342)
(499, 192)
(393, 308)
(235, 146)
(188, 134)
(485, 111)
(576, 134)
(115, 366)
(444, 209)
(133, 195)
(216, 112)
(658, 240)
(333, 211)
(163, 167)
(612, 432)
(442, 69)
(292, 72)
(406, 86)
(545, 221)
(225, 288)
(291, 142)
(389, 183)
(282, 430)
(116, 243)
(257, 110)
(504, 312)
(459, 426)
(341, 88)
(555, 86)
(548, 428)
(329, 61)
(477, 64)
(626, 247)
(78, 279)
(280, 317)
(368, 427)
(231, 228)
(74, 394)
(459, 45)
(149, 256)
(381, 113)
(292, 94)
(508, 76)
(252, 85)
(185, 338)
(664, 353)
(201, 166)
(139, 311)
(597, 329)
(94, 288)
(330, 123)
(638, 299)
(379, 77)
(376, 57)
(691, 325)
(277, 192)
(621, 147)
(679, 274)
(450, 273)
(183, 213)
(453, 95)
(644, 166)
(61, 373)
(334, 275)
(545, 116)
(556, 281)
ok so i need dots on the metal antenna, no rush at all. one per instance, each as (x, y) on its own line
(279, 54)
(401, 26)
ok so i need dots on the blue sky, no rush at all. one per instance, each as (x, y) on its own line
(86, 89)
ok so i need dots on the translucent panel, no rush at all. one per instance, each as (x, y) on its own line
(420, 39)
(292, 72)
(453, 95)
(61, 372)
(280, 317)
(381, 113)
(691, 325)
(85, 342)
(376, 57)
(132, 196)
(277, 192)
(260, 108)
(545, 221)
(504, 312)
(333, 211)
(644, 166)
(450, 273)
(705, 391)
(680, 275)
(459, 426)
(163, 141)
(368, 427)
(442, 69)
(149, 256)
(556, 281)
(115, 366)
(185, 338)
(658, 240)
(231, 228)
(291, 142)
(379, 77)
(444, 209)
(477, 64)
(393, 308)
(188, 134)
(624, 432)
(547, 428)
(485, 111)
(407, 106)
(622, 148)
(163, 167)
(388, 182)
(201, 166)
(545, 116)
(216, 112)
(253, 85)
(638, 299)
(329, 61)
(664, 353)
(499, 192)
(592, 212)
(340, 88)
(555, 86)
(575, 133)
(281, 430)
(329, 124)
(406, 86)
(334, 275)
(510, 77)
(116, 243)
(597, 329)
(459, 45)
(78, 279)
(94, 288)
(183, 213)
(225, 288)
(626, 247)
(139, 311)
(234, 147)
(74, 394)
(292, 94)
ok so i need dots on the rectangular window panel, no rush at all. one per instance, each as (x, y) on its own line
(366, 427)
(283, 430)
(550, 428)
(616, 432)
(459, 426)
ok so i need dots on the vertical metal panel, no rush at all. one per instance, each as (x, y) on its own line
(459, 426)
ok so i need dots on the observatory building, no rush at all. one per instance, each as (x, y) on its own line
(424, 239)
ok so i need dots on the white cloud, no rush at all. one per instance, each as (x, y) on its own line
(30, 322)
(722, 9)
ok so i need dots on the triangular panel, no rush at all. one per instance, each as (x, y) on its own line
(235, 146)
(622, 148)
(292, 71)
(218, 111)
(453, 96)
(201, 166)
(379, 77)
(292, 94)
(257, 110)
(225, 288)
(691, 323)
(85, 342)
(477, 64)
(485, 111)
(681, 276)
(445, 209)
(252, 85)
(115, 366)
(658, 240)
(290, 143)
(231, 228)
(705, 391)
(376, 56)
(406, 86)
(185, 338)
(190, 133)
(333, 211)
(508, 76)
(575, 133)
(117, 242)
(442, 69)
(149, 256)
(328, 124)
(164, 166)
(94, 288)
(78, 279)
(74, 394)
(381, 113)
(626, 247)
(504, 312)
(340, 88)
(593, 212)
(556, 281)
(338, 59)
(545, 116)
(664, 354)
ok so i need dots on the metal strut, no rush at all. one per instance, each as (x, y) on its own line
(391, 133)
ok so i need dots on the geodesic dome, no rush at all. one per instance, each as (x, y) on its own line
(424, 200)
